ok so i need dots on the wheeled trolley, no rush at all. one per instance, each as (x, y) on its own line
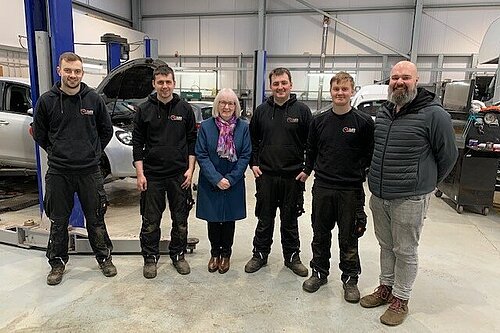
(471, 183)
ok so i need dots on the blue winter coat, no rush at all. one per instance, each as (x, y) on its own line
(214, 204)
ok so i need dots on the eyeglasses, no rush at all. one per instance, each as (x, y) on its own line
(224, 103)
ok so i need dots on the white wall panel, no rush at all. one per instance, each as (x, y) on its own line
(118, 7)
(153, 7)
(219, 35)
(296, 34)
(173, 35)
(12, 22)
(329, 4)
(86, 30)
(454, 30)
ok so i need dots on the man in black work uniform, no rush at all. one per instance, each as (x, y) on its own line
(72, 125)
(163, 146)
(340, 146)
(278, 130)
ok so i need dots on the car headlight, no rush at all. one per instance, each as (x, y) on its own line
(491, 119)
(124, 137)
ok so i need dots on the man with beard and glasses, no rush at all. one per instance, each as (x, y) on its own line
(72, 125)
(414, 151)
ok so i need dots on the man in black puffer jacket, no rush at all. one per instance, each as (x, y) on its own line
(414, 150)
(72, 125)
(163, 146)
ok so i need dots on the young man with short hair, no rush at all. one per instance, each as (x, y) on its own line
(163, 142)
(340, 147)
(278, 131)
(73, 126)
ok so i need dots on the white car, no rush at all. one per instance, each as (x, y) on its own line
(202, 110)
(369, 98)
(125, 84)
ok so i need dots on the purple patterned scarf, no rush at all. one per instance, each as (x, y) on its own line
(225, 145)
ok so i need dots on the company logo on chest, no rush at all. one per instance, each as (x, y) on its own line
(87, 112)
(175, 118)
(349, 130)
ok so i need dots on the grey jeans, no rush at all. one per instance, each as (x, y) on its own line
(398, 224)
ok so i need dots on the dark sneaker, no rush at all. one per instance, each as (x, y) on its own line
(312, 284)
(296, 265)
(382, 295)
(182, 266)
(351, 292)
(254, 264)
(107, 268)
(55, 275)
(149, 270)
(396, 313)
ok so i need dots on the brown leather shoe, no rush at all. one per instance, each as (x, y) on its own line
(213, 264)
(224, 265)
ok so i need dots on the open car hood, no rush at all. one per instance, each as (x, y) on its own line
(131, 80)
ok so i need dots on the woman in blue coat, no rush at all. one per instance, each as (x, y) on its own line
(223, 151)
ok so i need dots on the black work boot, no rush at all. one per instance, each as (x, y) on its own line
(296, 265)
(351, 291)
(149, 269)
(312, 284)
(107, 268)
(55, 276)
(181, 265)
(257, 262)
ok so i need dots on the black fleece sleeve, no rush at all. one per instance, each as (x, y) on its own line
(255, 137)
(41, 124)
(104, 126)
(312, 147)
(306, 123)
(369, 142)
(138, 137)
(190, 130)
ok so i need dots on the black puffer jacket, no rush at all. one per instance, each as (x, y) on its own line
(414, 148)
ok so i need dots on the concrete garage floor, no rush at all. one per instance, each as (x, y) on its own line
(457, 289)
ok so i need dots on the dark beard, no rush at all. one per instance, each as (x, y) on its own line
(401, 99)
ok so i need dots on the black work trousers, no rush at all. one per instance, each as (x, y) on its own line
(330, 207)
(275, 192)
(58, 203)
(153, 205)
(221, 236)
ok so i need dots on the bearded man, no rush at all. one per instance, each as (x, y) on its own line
(414, 151)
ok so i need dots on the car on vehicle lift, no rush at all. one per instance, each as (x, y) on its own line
(126, 86)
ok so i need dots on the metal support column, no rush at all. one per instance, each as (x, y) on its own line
(151, 48)
(116, 50)
(417, 23)
(324, 42)
(496, 95)
(62, 40)
(259, 68)
(136, 9)
(40, 76)
(49, 26)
